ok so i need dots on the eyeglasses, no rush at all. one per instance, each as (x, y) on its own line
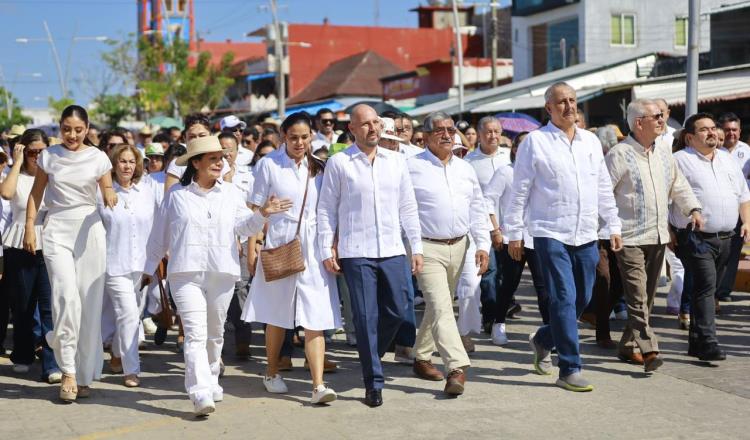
(327, 121)
(419, 140)
(655, 117)
(439, 130)
(401, 130)
(112, 145)
(32, 153)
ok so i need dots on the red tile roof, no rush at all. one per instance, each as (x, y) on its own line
(357, 75)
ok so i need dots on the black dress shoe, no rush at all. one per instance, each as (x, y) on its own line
(712, 353)
(160, 336)
(513, 310)
(373, 398)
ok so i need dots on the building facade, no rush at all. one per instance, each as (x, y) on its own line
(548, 35)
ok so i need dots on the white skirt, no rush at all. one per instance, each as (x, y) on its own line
(309, 299)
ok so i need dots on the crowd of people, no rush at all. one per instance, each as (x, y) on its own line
(109, 236)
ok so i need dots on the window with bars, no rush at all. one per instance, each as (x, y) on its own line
(622, 29)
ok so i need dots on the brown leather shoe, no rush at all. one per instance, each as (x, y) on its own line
(455, 383)
(652, 361)
(285, 363)
(631, 358)
(588, 318)
(115, 365)
(427, 371)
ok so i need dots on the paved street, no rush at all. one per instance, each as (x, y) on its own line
(504, 399)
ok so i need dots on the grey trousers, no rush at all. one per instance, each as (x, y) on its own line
(640, 267)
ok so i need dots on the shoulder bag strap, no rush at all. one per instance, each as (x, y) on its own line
(304, 202)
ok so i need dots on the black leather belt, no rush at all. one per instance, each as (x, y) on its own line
(447, 241)
(719, 235)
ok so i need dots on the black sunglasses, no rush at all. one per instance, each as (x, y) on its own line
(327, 121)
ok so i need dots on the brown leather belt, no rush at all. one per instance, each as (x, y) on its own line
(448, 241)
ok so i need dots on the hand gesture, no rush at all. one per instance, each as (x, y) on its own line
(275, 205)
(18, 154)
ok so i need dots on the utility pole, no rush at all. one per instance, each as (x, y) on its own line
(694, 23)
(278, 49)
(493, 49)
(63, 87)
(460, 58)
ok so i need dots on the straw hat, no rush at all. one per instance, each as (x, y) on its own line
(206, 144)
(16, 130)
(389, 129)
(146, 130)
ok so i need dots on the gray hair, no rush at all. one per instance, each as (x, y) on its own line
(551, 89)
(607, 137)
(432, 118)
(482, 124)
(636, 109)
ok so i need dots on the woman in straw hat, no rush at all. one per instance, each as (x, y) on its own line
(198, 224)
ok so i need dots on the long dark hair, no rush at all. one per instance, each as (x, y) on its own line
(29, 136)
(190, 172)
(315, 165)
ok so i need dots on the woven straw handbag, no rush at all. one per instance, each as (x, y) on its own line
(285, 260)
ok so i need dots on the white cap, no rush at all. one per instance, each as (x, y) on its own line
(231, 122)
(389, 129)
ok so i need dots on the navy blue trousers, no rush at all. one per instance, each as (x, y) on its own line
(379, 290)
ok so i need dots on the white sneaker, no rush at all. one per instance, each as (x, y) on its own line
(498, 334)
(20, 368)
(204, 406)
(55, 377)
(218, 394)
(351, 339)
(403, 355)
(275, 384)
(149, 327)
(322, 394)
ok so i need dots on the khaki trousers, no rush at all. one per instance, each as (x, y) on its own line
(640, 267)
(442, 268)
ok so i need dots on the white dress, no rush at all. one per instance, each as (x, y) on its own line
(13, 237)
(309, 299)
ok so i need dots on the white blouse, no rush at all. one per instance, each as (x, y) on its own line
(128, 227)
(73, 176)
(199, 229)
(13, 237)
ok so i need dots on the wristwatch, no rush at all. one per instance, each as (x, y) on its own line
(698, 210)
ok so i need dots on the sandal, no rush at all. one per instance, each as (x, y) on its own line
(131, 381)
(68, 392)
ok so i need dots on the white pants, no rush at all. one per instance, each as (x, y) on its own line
(75, 255)
(468, 293)
(202, 299)
(109, 320)
(674, 296)
(153, 295)
(127, 304)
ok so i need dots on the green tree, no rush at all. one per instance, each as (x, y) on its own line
(9, 102)
(111, 109)
(168, 77)
(58, 105)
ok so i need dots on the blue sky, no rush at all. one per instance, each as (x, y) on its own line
(215, 20)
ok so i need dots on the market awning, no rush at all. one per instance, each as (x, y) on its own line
(723, 86)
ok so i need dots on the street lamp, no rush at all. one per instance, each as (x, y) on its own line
(62, 78)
